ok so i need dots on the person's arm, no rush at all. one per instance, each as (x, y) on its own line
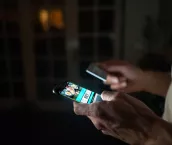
(134, 79)
(156, 82)
(128, 119)
(161, 134)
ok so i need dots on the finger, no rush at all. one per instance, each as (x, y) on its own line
(111, 80)
(129, 88)
(113, 62)
(81, 109)
(93, 109)
(108, 95)
(116, 68)
(119, 86)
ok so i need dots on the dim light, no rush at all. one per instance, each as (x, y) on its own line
(44, 17)
(52, 18)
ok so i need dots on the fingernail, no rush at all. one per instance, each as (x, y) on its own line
(115, 80)
(124, 84)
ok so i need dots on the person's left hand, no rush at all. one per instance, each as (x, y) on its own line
(121, 116)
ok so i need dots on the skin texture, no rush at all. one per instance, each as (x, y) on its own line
(123, 76)
(126, 118)
(123, 116)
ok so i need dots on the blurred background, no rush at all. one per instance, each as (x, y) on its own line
(46, 42)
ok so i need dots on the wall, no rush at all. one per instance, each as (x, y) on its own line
(135, 12)
(165, 10)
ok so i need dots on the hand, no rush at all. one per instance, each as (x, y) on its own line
(123, 76)
(122, 117)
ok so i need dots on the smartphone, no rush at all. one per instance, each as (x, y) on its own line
(77, 93)
(94, 70)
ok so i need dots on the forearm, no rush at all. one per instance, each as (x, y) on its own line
(157, 82)
(161, 134)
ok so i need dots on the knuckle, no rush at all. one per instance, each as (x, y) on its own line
(109, 80)
(98, 125)
(99, 112)
(96, 109)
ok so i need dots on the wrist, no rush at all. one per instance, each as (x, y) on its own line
(156, 82)
(161, 133)
(147, 79)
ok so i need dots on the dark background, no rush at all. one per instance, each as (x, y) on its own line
(33, 60)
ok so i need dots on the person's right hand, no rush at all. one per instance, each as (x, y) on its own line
(126, 118)
(124, 76)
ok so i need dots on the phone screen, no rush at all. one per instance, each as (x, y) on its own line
(79, 94)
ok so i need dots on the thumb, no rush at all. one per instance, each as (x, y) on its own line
(109, 95)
